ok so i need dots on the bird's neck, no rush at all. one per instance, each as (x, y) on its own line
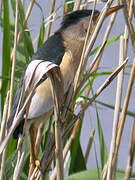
(74, 44)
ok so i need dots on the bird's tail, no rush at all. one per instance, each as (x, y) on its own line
(19, 128)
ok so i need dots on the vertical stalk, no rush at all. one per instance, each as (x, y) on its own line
(116, 111)
(2, 135)
(50, 23)
(14, 60)
(57, 93)
(24, 24)
(1, 1)
(20, 159)
(89, 145)
(131, 154)
(123, 113)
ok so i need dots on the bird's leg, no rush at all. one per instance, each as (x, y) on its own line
(32, 142)
(39, 138)
(32, 149)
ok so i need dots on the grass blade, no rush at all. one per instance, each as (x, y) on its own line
(6, 64)
(103, 149)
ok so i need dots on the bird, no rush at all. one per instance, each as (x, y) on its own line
(63, 48)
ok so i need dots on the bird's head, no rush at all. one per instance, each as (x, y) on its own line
(75, 24)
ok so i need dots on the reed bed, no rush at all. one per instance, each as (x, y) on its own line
(58, 141)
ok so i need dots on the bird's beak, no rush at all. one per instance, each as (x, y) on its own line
(109, 12)
(113, 9)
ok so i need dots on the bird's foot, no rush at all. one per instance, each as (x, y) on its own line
(37, 163)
